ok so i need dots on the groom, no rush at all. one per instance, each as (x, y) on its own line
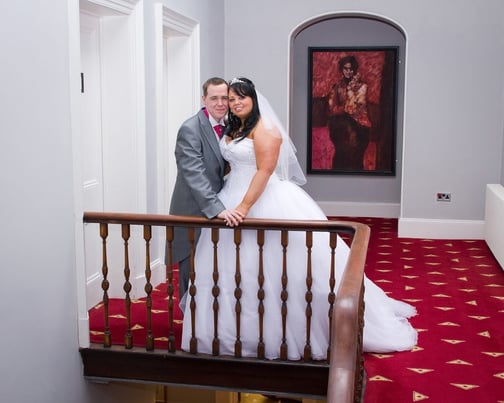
(200, 170)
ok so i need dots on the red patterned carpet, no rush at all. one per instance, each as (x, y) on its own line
(118, 319)
(458, 289)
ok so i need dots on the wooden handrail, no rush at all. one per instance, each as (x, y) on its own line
(345, 377)
(346, 227)
(346, 373)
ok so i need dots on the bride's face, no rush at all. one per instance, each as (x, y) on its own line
(240, 106)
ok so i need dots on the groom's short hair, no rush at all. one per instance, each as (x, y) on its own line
(212, 81)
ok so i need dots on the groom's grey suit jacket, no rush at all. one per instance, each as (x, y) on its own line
(200, 173)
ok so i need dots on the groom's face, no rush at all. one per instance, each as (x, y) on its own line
(216, 101)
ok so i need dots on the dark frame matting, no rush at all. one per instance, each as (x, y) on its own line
(352, 95)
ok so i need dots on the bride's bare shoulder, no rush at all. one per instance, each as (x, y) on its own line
(265, 128)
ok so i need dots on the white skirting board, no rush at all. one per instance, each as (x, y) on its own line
(494, 221)
(408, 227)
(432, 228)
(356, 209)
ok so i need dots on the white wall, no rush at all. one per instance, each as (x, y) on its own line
(453, 122)
(39, 310)
(39, 346)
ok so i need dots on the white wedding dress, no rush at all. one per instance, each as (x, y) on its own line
(386, 326)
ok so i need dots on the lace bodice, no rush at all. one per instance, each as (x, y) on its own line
(239, 153)
(242, 160)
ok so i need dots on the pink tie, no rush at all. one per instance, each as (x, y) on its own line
(218, 130)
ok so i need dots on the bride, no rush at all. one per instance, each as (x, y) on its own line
(263, 183)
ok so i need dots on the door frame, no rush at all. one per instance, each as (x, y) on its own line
(123, 127)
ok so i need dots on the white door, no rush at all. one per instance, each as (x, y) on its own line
(90, 125)
(112, 144)
(91, 146)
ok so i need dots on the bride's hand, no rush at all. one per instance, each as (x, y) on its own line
(242, 210)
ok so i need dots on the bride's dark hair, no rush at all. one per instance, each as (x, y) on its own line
(245, 88)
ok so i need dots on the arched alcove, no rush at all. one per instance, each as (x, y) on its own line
(343, 193)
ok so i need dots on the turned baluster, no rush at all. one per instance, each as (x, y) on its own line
(332, 284)
(128, 337)
(170, 289)
(261, 353)
(238, 293)
(149, 341)
(284, 294)
(215, 291)
(308, 295)
(107, 340)
(193, 343)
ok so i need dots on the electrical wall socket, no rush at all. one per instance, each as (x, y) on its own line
(444, 197)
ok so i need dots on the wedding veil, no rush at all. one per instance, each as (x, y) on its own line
(288, 167)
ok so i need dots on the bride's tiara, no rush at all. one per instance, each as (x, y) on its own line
(236, 80)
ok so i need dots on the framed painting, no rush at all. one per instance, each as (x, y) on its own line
(352, 110)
